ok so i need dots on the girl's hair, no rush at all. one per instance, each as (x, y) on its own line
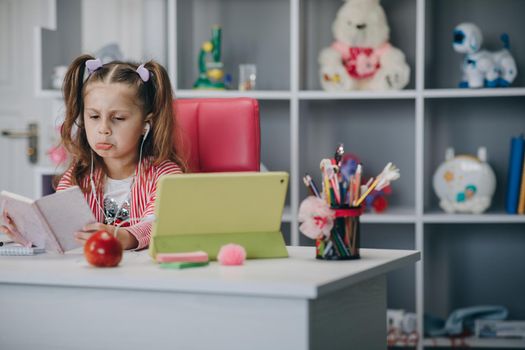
(155, 96)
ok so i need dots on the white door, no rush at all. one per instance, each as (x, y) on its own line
(18, 104)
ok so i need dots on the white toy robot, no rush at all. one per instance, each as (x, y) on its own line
(482, 68)
(465, 183)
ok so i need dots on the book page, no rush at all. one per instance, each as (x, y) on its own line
(66, 212)
(26, 219)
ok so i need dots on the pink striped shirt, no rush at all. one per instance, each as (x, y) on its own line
(143, 194)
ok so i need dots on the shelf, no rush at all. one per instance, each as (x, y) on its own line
(466, 342)
(323, 95)
(260, 95)
(356, 95)
(491, 217)
(391, 216)
(401, 344)
(475, 342)
(461, 93)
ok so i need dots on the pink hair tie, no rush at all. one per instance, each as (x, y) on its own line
(93, 65)
(143, 73)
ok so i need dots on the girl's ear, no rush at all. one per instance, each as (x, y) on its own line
(147, 128)
(147, 125)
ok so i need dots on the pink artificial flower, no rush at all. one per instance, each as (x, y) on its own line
(317, 218)
(57, 155)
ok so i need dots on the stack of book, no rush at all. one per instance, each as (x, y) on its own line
(515, 199)
(500, 329)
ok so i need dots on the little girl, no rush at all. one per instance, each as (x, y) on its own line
(119, 131)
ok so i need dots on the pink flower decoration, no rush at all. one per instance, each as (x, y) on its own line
(316, 216)
(231, 254)
(57, 155)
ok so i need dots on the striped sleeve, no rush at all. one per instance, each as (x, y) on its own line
(142, 230)
(66, 180)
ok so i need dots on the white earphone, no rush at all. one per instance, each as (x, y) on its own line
(147, 128)
(94, 189)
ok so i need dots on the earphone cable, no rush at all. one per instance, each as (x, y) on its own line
(94, 191)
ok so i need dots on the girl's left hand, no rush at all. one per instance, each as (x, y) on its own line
(126, 239)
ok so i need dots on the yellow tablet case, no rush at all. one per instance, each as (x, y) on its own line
(206, 211)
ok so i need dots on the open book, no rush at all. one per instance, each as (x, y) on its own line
(51, 221)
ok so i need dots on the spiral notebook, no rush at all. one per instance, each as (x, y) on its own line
(13, 250)
(51, 221)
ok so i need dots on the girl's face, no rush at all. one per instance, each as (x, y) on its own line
(114, 121)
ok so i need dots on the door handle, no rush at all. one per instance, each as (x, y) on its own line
(32, 136)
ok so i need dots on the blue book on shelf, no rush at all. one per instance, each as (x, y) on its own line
(517, 147)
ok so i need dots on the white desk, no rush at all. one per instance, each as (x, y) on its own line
(60, 302)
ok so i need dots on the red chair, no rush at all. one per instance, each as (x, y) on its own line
(219, 135)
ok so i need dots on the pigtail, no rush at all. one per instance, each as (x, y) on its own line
(75, 142)
(163, 125)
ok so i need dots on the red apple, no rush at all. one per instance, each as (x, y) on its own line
(103, 250)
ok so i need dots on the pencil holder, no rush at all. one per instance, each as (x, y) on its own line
(344, 240)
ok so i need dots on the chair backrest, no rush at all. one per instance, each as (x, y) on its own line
(219, 135)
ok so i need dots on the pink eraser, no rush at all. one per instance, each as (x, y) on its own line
(198, 256)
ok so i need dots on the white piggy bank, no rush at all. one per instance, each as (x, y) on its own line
(465, 183)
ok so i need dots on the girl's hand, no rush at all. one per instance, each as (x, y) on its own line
(11, 231)
(126, 239)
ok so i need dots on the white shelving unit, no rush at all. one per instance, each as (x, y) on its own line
(259, 95)
(466, 258)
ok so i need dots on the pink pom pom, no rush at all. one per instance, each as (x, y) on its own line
(57, 155)
(231, 254)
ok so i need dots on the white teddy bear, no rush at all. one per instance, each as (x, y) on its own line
(362, 58)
